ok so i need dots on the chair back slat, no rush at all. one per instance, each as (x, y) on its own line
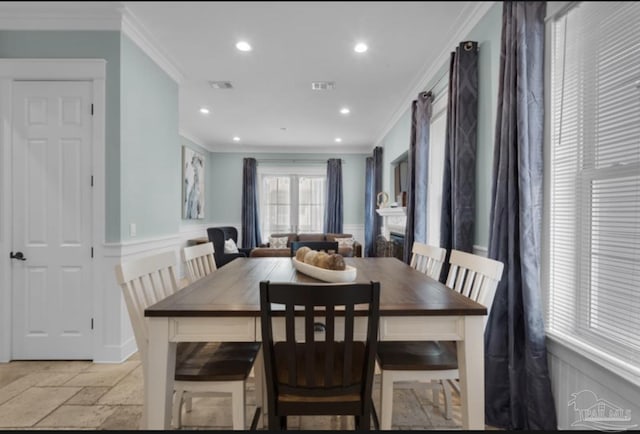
(290, 331)
(314, 303)
(310, 347)
(199, 260)
(348, 344)
(330, 330)
(475, 277)
(427, 259)
(144, 282)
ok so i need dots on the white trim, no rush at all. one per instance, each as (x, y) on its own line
(5, 218)
(139, 246)
(433, 66)
(193, 139)
(480, 250)
(116, 353)
(135, 30)
(60, 15)
(329, 149)
(52, 69)
(596, 357)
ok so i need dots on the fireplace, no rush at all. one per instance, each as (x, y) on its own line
(397, 242)
(390, 243)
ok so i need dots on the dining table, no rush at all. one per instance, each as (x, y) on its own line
(225, 306)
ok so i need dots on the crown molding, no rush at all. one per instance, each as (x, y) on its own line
(432, 67)
(191, 138)
(86, 16)
(133, 28)
(241, 149)
(60, 15)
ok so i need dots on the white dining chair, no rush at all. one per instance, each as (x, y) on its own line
(427, 259)
(471, 275)
(199, 261)
(201, 367)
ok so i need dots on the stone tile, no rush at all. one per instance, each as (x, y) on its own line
(56, 379)
(78, 416)
(125, 417)
(87, 396)
(100, 375)
(8, 376)
(129, 391)
(49, 366)
(21, 384)
(407, 410)
(210, 412)
(28, 408)
(322, 423)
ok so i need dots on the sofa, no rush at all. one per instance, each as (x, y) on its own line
(265, 250)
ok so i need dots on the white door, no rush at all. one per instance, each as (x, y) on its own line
(51, 199)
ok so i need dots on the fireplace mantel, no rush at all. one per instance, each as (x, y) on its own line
(393, 220)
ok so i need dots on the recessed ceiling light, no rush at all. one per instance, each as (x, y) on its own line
(338, 139)
(243, 46)
(345, 111)
(204, 111)
(360, 47)
(236, 139)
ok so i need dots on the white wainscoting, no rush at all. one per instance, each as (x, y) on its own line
(571, 373)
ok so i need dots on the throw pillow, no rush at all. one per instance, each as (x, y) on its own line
(278, 242)
(344, 242)
(230, 246)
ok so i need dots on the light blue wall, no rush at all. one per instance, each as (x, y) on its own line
(226, 183)
(487, 33)
(150, 151)
(83, 45)
(209, 186)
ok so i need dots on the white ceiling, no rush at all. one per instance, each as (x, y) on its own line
(295, 43)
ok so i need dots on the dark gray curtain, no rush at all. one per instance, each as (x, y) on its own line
(373, 185)
(333, 204)
(517, 385)
(416, 226)
(250, 219)
(458, 191)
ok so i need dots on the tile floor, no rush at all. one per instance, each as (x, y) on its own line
(79, 395)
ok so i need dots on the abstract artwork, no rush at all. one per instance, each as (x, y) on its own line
(192, 184)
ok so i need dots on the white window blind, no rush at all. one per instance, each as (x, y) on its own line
(594, 217)
(291, 201)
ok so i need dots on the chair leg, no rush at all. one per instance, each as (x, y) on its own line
(261, 387)
(447, 398)
(436, 393)
(238, 406)
(177, 408)
(386, 401)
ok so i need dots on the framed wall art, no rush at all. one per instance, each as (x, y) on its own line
(193, 175)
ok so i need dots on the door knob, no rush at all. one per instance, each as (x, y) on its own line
(19, 256)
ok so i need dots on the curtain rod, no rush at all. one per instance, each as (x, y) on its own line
(443, 76)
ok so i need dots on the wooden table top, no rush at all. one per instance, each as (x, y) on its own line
(233, 290)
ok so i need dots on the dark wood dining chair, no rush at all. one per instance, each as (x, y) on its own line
(326, 246)
(307, 374)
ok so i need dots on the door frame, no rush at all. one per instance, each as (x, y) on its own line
(93, 70)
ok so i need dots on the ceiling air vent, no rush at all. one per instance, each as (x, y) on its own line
(221, 84)
(323, 85)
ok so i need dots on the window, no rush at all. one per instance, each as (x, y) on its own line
(593, 185)
(292, 200)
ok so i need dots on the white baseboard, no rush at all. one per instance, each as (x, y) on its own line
(480, 250)
(116, 353)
